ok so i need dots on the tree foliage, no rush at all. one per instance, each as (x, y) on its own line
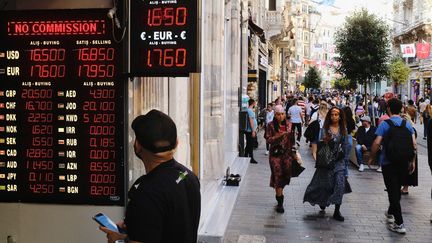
(363, 47)
(399, 71)
(343, 84)
(312, 79)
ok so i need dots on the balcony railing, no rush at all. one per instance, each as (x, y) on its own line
(274, 18)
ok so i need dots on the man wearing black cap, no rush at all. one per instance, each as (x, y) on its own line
(165, 204)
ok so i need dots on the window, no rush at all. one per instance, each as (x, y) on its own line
(304, 8)
(272, 5)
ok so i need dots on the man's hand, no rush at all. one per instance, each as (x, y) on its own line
(112, 236)
(253, 134)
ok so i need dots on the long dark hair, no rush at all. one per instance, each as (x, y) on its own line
(327, 121)
(350, 124)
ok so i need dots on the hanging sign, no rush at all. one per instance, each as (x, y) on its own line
(163, 38)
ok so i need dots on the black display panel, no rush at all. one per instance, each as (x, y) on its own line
(61, 108)
(163, 38)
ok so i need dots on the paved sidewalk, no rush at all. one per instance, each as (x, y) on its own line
(254, 218)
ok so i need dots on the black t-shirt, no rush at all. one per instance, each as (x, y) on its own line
(164, 205)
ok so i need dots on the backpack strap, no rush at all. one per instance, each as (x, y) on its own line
(403, 123)
(390, 122)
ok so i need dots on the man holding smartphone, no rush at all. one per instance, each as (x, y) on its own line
(165, 204)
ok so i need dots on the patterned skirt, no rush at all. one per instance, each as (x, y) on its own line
(327, 187)
(280, 171)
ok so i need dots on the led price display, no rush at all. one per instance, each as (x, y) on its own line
(163, 38)
(61, 108)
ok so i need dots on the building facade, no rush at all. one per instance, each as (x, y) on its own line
(413, 25)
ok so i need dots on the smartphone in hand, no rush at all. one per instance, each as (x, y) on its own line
(105, 221)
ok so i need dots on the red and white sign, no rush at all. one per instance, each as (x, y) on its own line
(408, 50)
(423, 50)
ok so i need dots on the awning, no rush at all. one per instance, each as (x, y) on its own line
(257, 30)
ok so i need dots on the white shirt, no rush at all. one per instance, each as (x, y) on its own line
(295, 111)
(269, 116)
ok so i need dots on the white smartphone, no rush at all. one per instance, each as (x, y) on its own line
(105, 221)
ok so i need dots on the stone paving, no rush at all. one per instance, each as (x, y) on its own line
(254, 219)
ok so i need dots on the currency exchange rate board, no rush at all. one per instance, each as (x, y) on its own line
(61, 108)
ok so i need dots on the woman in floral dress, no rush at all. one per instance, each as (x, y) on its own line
(280, 137)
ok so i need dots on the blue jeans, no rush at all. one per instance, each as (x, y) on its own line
(359, 154)
(347, 153)
(380, 157)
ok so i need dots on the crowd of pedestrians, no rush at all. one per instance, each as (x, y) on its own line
(333, 125)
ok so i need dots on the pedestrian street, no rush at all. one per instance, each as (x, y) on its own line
(254, 219)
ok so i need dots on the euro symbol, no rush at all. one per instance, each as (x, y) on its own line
(183, 35)
(143, 37)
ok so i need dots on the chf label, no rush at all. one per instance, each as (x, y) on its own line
(10, 105)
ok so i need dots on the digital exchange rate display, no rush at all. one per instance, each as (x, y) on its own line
(61, 108)
(164, 37)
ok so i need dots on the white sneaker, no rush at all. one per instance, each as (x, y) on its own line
(361, 169)
(397, 228)
(267, 152)
(389, 217)
(379, 169)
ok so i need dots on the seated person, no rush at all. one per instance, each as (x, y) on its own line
(365, 136)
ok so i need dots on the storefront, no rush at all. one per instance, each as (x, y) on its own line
(426, 92)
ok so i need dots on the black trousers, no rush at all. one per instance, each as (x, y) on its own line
(297, 126)
(249, 145)
(393, 180)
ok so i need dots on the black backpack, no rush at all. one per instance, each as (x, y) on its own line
(399, 147)
(313, 110)
(312, 130)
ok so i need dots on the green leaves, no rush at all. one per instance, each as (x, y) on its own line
(343, 84)
(399, 71)
(312, 78)
(363, 47)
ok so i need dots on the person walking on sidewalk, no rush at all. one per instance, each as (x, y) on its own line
(410, 179)
(251, 128)
(295, 113)
(320, 117)
(328, 185)
(426, 116)
(429, 149)
(350, 125)
(269, 118)
(280, 136)
(399, 148)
